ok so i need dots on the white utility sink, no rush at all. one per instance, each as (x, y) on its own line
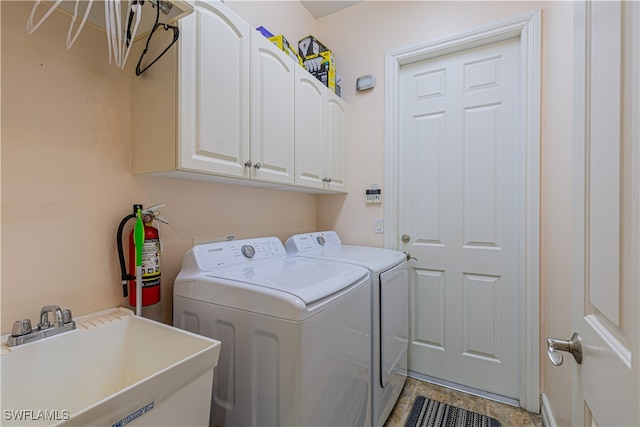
(115, 369)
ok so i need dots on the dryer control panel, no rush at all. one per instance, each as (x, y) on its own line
(311, 242)
(224, 254)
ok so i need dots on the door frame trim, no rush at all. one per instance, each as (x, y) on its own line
(528, 28)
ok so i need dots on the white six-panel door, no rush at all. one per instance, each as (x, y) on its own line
(606, 216)
(460, 182)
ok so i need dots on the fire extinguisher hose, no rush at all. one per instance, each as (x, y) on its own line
(125, 276)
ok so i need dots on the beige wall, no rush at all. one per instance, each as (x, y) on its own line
(66, 136)
(66, 184)
(286, 17)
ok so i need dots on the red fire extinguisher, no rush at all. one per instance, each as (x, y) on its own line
(151, 271)
(150, 264)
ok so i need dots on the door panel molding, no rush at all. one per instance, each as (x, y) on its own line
(528, 28)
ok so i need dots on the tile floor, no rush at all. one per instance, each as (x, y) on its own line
(506, 414)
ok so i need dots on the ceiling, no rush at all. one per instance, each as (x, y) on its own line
(322, 8)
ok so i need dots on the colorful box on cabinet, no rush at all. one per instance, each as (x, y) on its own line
(318, 60)
(323, 67)
(264, 31)
(310, 46)
(284, 46)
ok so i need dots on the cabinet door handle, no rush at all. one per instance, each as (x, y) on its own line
(257, 165)
(248, 163)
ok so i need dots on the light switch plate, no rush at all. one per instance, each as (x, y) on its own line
(378, 226)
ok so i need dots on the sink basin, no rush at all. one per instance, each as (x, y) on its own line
(115, 369)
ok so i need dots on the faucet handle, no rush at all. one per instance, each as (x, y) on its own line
(21, 327)
(66, 316)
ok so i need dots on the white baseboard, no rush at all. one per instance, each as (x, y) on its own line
(548, 420)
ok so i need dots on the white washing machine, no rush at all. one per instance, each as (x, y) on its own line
(390, 306)
(295, 333)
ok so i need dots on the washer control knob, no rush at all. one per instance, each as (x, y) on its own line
(321, 240)
(248, 251)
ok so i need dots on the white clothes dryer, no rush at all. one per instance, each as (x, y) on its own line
(295, 333)
(390, 307)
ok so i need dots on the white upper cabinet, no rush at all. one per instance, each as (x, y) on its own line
(272, 112)
(310, 135)
(227, 105)
(336, 127)
(320, 135)
(214, 72)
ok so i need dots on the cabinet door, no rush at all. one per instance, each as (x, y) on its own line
(309, 130)
(336, 165)
(214, 91)
(272, 112)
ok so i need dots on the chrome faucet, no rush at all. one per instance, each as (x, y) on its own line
(23, 333)
(44, 317)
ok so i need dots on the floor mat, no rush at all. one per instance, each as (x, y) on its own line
(431, 413)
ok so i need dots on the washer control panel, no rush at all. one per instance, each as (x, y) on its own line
(223, 254)
(304, 243)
